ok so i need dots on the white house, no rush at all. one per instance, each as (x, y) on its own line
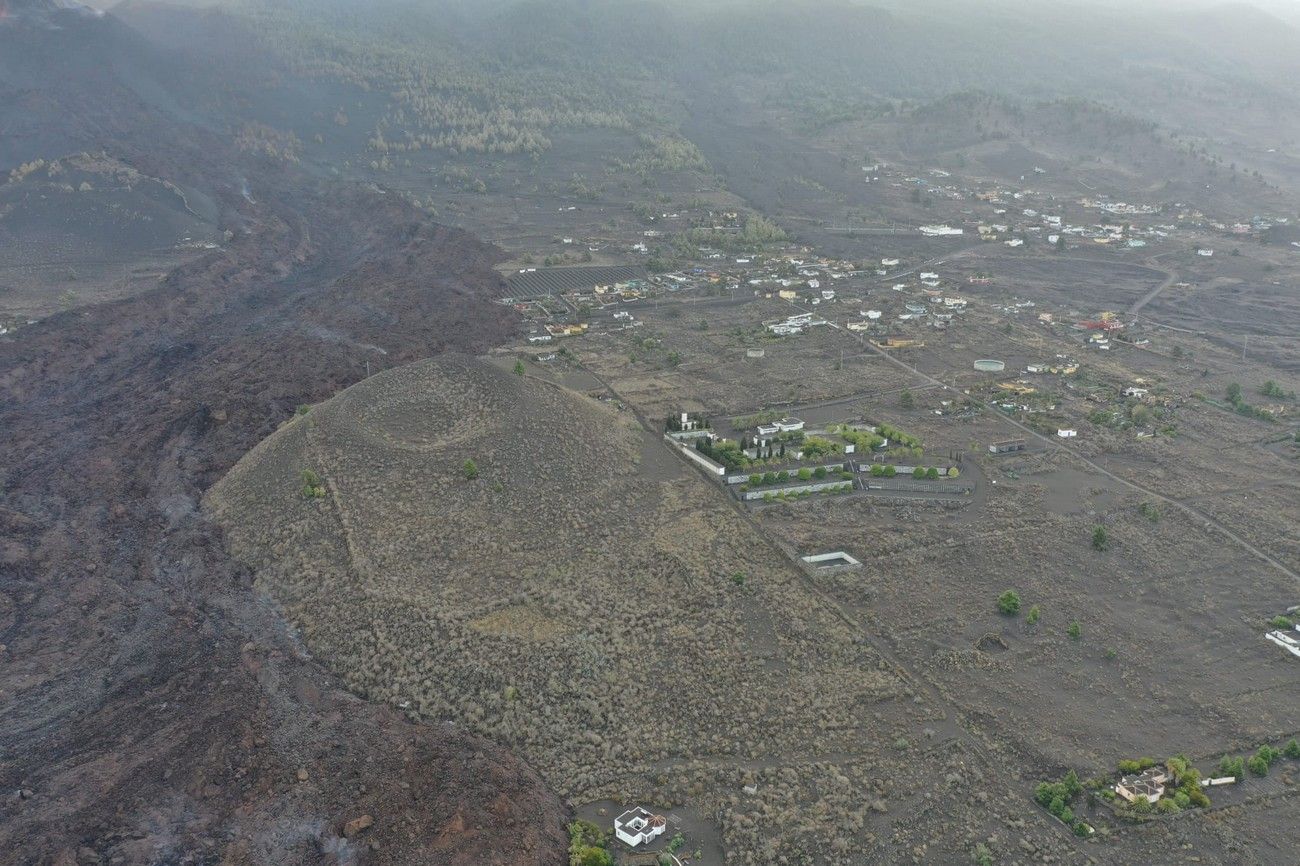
(1149, 786)
(636, 826)
(1135, 392)
(888, 263)
(1206, 253)
(1065, 433)
(789, 425)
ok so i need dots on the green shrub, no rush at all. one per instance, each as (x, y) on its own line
(312, 485)
(1257, 765)
(470, 469)
(918, 473)
(1075, 630)
(1034, 615)
(819, 472)
(1009, 603)
(1292, 748)
(1281, 622)
(1081, 829)
(932, 473)
(590, 855)
(1232, 766)
(1100, 540)
(805, 474)
(1167, 806)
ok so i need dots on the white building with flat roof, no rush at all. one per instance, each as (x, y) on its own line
(637, 826)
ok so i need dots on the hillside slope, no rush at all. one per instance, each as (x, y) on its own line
(589, 601)
(154, 711)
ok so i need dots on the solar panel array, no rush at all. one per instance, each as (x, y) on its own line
(555, 281)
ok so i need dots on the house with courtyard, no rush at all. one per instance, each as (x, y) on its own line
(1149, 785)
(637, 826)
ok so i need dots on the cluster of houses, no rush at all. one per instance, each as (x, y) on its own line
(795, 324)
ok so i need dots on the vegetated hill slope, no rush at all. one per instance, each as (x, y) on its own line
(154, 711)
(584, 598)
(1108, 151)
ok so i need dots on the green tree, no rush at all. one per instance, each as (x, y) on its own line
(1100, 540)
(932, 473)
(1009, 603)
(1075, 630)
(470, 469)
(590, 855)
(1292, 748)
(1234, 393)
(1034, 615)
(918, 473)
(906, 400)
(519, 368)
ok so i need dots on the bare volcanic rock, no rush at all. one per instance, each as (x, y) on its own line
(152, 708)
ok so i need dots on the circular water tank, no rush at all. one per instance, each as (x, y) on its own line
(988, 365)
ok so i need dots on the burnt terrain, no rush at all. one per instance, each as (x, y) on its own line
(152, 709)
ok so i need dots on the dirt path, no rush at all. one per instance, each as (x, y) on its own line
(1170, 278)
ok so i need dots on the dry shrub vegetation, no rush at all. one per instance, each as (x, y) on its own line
(570, 605)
